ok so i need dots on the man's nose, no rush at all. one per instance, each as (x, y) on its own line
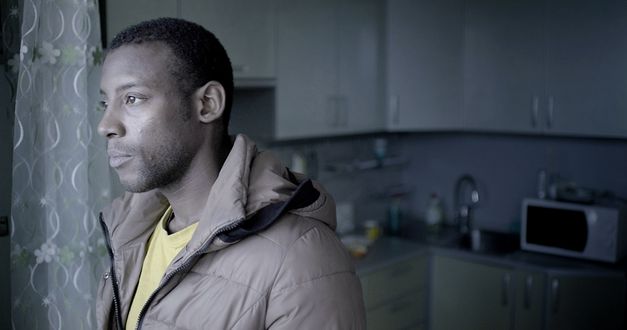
(110, 125)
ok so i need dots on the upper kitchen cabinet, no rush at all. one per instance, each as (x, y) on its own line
(328, 68)
(424, 64)
(504, 80)
(247, 29)
(121, 14)
(587, 67)
(360, 65)
(546, 66)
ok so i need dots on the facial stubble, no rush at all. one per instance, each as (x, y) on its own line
(163, 165)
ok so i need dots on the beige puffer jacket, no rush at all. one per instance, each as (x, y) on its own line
(293, 275)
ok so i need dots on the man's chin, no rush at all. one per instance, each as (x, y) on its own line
(134, 186)
(133, 189)
(141, 181)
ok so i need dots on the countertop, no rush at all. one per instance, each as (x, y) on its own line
(388, 250)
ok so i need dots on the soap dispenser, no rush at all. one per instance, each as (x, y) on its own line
(434, 215)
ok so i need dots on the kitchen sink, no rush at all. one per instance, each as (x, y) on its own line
(491, 242)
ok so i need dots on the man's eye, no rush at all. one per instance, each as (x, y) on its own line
(131, 99)
(103, 104)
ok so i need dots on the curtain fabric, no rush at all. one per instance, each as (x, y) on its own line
(60, 173)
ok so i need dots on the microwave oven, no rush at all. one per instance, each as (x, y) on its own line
(574, 230)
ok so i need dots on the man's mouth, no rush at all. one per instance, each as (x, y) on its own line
(117, 159)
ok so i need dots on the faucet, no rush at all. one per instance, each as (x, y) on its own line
(466, 198)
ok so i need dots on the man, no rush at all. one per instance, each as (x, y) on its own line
(212, 234)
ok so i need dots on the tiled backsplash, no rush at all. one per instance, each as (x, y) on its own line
(505, 167)
(368, 189)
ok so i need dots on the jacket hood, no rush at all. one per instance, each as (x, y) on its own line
(248, 181)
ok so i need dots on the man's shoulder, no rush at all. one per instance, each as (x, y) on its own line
(293, 229)
(294, 249)
(309, 248)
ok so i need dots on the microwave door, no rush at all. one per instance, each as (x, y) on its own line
(557, 228)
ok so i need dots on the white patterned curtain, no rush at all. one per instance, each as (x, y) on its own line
(60, 173)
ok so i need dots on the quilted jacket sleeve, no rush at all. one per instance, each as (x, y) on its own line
(316, 287)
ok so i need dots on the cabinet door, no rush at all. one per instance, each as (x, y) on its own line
(402, 313)
(245, 28)
(395, 296)
(504, 65)
(529, 300)
(468, 295)
(423, 64)
(306, 95)
(360, 66)
(586, 302)
(587, 80)
(121, 14)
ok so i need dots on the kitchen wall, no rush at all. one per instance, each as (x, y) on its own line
(505, 167)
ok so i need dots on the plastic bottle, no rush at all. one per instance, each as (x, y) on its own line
(434, 216)
(373, 230)
(542, 184)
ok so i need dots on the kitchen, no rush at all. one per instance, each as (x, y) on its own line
(398, 99)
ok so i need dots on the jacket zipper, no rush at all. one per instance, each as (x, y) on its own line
(114, 279)
(186, 264)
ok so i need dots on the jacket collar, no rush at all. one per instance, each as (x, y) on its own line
(247, 182)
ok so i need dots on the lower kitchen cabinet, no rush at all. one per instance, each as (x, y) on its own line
(529, 299)
(471, 294)
(585, 302)
(395, 295)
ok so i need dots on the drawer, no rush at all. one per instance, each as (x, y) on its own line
(394, 281)
(406, 312)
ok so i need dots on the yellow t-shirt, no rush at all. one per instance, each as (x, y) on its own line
(162, 248)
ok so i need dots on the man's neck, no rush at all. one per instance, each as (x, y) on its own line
(188, 196)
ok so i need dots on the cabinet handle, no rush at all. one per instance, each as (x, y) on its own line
(505, 290)
(395, 109)
(549, 119)
(527, 296)
(555, 294)
(535, 106)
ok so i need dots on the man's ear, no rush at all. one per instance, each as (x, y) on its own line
(210, 99)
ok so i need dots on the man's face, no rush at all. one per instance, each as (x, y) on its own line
(150, 137)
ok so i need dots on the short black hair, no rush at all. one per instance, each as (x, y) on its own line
(200, 55)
